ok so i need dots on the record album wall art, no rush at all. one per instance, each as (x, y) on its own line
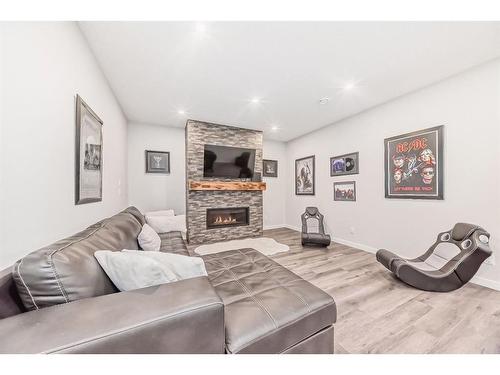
(344, 164)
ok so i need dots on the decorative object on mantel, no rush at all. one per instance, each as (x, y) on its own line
(344, 191)
(88, 173)
(264, 245)
(304, 176)
(226, 185)
(344, 164)
(270, 168)
(157, 162)
(414, 165)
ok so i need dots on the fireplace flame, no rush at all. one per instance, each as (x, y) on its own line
(224, 220)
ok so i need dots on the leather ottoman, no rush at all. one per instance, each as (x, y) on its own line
(267, 308)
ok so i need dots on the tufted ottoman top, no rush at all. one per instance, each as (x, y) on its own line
(267, 307)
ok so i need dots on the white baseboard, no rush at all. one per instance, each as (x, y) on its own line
(488, 283)
(368, 249)
(292, 227)
(275, 226)
(478, 280)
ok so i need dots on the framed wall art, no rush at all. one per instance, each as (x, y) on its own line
(304, 176)
(414, 165)
(157, 162)
(88, 154)
(344, 164)
(270, 168)
(344, 191)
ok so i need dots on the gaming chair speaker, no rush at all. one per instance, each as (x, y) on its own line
(449, 263)
(313, 231)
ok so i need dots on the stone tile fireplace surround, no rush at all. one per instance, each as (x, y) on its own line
(199, 201)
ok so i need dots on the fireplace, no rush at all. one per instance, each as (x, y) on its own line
(225, 217)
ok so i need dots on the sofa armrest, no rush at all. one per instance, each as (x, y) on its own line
(165, 318)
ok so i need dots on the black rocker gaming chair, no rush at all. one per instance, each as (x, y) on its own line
(313, 231)
(449, 263)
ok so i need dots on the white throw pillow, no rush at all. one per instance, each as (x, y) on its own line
(182, 266)
(160, 213)
(148, 239)
(164, 224)
(133, 269)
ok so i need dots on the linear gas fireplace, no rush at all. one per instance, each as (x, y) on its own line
(224, 217)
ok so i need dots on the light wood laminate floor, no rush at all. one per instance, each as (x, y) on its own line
(379, 314)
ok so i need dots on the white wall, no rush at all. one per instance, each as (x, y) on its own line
(468, 105)
(274, 196)
(150, 191)
(44, 65)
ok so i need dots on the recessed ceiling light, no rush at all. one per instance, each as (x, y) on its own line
(274, 128)
(324, 100)
(181, 112)
(255, 100)
(349, 86)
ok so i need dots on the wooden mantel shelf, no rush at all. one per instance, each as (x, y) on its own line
(226, 185)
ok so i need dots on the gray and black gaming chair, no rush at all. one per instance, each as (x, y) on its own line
(449, 263)
(313, 231)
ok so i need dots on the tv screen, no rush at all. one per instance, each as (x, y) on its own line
(228, 162)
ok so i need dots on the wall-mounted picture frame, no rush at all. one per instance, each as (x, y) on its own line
(305, 176)
(414, 167)
(344, 191)
(269, 168)
(343, 165)
(157, 162)
(88, 154)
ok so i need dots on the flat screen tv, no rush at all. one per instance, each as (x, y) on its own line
(228, 162)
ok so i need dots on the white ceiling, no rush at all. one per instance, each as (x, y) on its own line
(213, 70)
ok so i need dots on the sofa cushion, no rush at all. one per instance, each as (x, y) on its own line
(67, 270)
(267, 308)
(137, 214)
(172, 242)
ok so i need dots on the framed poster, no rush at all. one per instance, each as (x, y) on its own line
(88, 154)
(344, 164)
(304, 176)
(414, 165)
(157, 162)
(270, 168)
(344, 191)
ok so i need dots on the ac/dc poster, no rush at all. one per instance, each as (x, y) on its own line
(414, 165)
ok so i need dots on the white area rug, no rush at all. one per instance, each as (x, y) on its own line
(265, 245)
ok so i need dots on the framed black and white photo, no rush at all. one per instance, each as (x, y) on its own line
(304, 176)
(270, 168)
(88, 154)
(344, 164)
(157, 162)
(414, 165)
(344, 191)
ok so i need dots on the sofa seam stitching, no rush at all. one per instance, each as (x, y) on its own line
(26, 286)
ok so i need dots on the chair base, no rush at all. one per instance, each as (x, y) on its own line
(321, 240)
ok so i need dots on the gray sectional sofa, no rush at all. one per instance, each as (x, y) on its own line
(59, 300)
